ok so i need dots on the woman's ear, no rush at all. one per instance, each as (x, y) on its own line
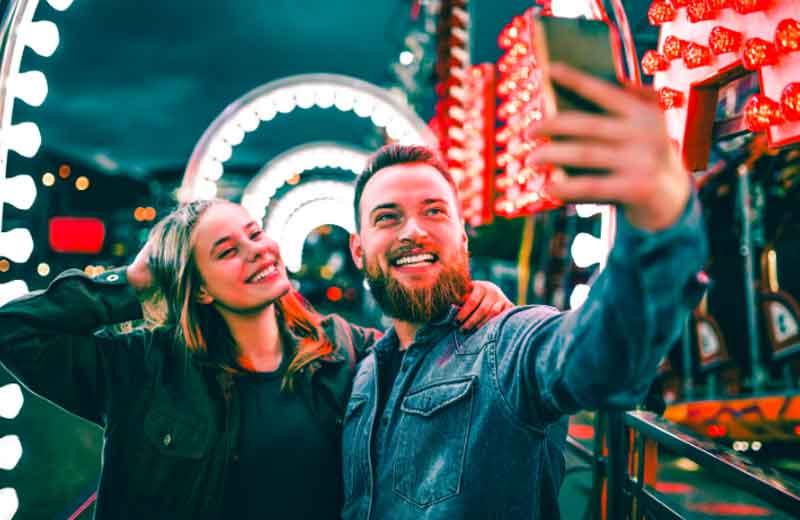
(202, 296)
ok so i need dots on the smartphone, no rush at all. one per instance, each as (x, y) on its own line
(588, 45)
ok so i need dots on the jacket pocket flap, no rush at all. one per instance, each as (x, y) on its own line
(176, 435)
(433, 398)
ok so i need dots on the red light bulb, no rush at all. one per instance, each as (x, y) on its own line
(787, 35)
(680, 3)
(653, 62)
(696, 55)
(699, 10)
(758, 53)
(761, 112)
(669, 98)
(750, 6)
(661, 11)
(720, 4)
(673, 47)
(722, 40)
(790, 102)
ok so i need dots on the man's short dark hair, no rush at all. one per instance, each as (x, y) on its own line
(392, 154)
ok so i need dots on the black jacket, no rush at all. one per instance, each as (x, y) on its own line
(171, 419)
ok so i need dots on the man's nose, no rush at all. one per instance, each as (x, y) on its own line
(412, 230)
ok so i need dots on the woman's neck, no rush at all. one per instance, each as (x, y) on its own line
(259, 339)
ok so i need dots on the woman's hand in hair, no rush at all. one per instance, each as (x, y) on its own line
(139, 275)
(484, 301)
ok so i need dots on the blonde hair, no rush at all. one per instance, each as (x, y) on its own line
(200, 327)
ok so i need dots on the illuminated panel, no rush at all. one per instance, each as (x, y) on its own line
(707, 43)
(521, 188)
(76, 235)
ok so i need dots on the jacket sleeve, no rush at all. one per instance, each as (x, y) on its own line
(605, 353)
(49, 341)
(356, 340)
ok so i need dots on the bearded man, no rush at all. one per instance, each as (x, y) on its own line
(443, 424)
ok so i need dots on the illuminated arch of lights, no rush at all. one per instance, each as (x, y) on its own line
(305, 208)
(18, 30)
(309, 156)
(283, 96)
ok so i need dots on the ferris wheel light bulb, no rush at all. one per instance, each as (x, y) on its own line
(42, 37)
(30, 87)
(16, 245)
(60, 5)
(19, 191)
(11, 400)
(23, 138)
(9, 502)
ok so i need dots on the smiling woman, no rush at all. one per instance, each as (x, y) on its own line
(229, 401)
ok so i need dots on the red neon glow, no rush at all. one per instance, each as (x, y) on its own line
(583, 432)
(674, 488)
(76, 235)
(720, 4)
(334, 293)
(787, 36)
(761, 112)
(696, 55)
(680, 3)
(661, 11)
(699, 10)
(750, 6)
(730, 509)
(653, 62)
(717, 430)
(669, 98)
(673, 47)
(797, 429)
(722, 40)
(758, 53)
(790, 102)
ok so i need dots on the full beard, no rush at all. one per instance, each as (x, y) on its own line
(420, 304)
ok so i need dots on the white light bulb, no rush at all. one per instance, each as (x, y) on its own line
(204, 190)
(587, 250)
(11, 400)
(233, 133)
(324, 96)
(10, 452)
(248, 120)
(571, 8)
(304, 97)
(19, 191)
(12, 290)
(406, 58)
(344, 99)
(211, 170)
(24, 138)
(41, 36)
(578, 296)
(30, 87)
(220, 150)
(9, 503)
(382, 114)
(284, 101)
(60, 5)
(588, 210)
(16, 245)
(363, 105)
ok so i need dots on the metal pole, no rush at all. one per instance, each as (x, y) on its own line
(616, 466)
(746, 250)
(686, 355)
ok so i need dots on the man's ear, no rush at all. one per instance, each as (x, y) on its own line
(356, 252)
(202, 296)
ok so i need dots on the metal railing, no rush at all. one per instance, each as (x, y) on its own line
(625, 464)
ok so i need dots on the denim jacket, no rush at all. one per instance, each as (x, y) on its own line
(475, 425)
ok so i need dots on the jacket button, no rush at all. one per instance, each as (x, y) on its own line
(167, 440)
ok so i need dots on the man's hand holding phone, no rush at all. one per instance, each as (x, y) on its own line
(644, 173)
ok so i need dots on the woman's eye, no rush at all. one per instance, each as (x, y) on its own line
(227, 253)
(256, 235)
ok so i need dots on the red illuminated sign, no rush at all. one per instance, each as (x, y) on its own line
(76, 235)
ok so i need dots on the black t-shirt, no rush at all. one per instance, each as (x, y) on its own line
(288, 467)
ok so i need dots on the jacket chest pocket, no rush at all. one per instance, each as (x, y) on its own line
(432, 436)
(172, 456)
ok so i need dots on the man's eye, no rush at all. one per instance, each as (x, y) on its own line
(435, 211)
(386, 217)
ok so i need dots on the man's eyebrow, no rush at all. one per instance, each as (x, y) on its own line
(434, 201)
(387, 205)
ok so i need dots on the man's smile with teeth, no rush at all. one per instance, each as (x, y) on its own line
(262, 274)
(422, 258)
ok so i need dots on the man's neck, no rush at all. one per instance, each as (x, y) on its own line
(258, 338)
(406, 332)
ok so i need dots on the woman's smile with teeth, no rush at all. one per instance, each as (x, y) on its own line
(262, 274)
(424, 258)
